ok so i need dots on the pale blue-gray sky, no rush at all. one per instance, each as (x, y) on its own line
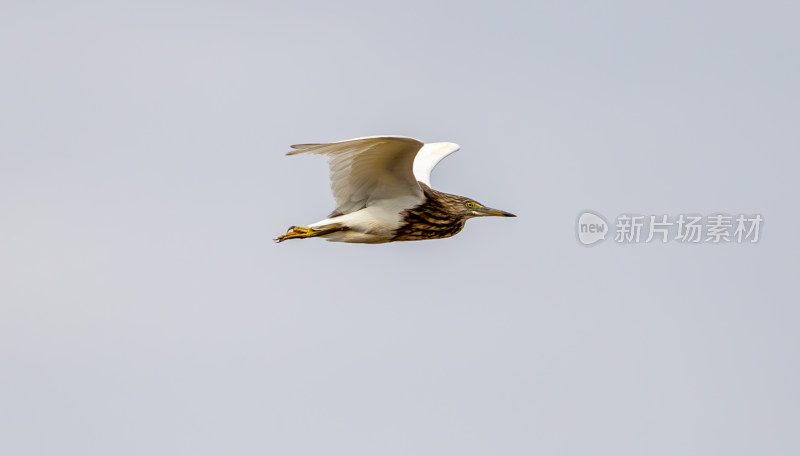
(144, 308)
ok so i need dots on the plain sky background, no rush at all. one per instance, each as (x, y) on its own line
(145, 310)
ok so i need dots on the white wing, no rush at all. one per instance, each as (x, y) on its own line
(428, 157)
(365, 170)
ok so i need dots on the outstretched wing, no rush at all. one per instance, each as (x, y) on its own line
(428, 157)
(365, 170)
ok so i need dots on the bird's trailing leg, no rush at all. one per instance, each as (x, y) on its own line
(299, 232)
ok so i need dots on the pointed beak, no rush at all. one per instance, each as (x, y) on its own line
(488, 211)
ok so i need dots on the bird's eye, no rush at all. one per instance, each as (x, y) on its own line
(471, 205)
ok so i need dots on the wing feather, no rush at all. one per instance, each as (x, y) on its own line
(365, 170)
(428, 157)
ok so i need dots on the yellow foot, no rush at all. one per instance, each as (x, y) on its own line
(299, 232)
(295, 232)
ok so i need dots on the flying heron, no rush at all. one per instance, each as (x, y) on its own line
(383, 193)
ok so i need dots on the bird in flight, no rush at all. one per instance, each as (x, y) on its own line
(383, 193)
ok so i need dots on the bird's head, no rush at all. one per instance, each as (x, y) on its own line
(470, 208)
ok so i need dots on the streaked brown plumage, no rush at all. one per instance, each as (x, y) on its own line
(440, 216)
